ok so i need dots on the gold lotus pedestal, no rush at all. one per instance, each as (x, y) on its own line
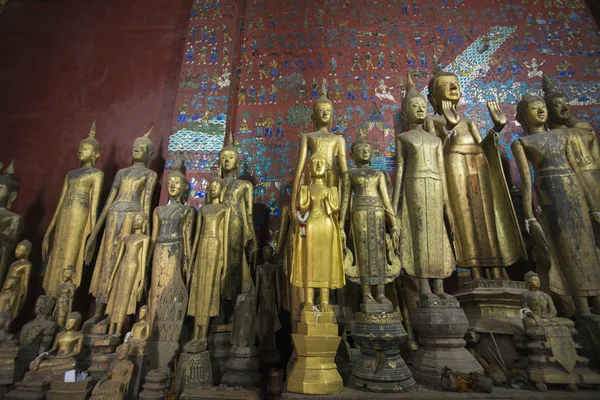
(316, 343)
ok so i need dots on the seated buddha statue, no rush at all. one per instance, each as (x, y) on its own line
(540, 310)
(140, 332)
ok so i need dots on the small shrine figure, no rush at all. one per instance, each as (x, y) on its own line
(317, 257)
(22, 270)
(7, 299)
(114, 385)
(10, 223)
(371, 213)
(268, 278)
(140, 333)
(66, 292)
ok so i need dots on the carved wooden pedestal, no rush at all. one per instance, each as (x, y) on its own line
(379, 367)
(102, 355)
(70, 391)
(440, 326)
(194, 371)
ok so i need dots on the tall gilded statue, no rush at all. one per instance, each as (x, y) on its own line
(126, 284)
(421, 182)
(565, 213)
(74, 218)
(10, 223)
(131, 193)
(317, 258)
(322, 141)
(479, 197)
(172, 234)
(370, 214)
(21, 269)
(210, 265)
(586, 151)
(239, 195)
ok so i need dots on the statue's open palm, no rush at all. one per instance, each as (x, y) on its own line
(450, 113)
(498, 117)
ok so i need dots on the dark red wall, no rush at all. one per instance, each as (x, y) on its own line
(66, 63)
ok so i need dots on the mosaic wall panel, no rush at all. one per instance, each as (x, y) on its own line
(254, 68)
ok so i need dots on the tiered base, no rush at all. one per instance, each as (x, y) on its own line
(242, 367)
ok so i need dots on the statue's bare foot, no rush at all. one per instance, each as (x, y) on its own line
(308, 307)
(445, 296)
(381, 299)
(326, 308)
(368, 299)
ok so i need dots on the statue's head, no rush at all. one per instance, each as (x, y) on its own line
(68, 272)
(322, 115)
(73, 321)
(532, 279)
(143, 313)
(414, 105)
(267, 253)
(123, 351)
(318, 165)
(9, 187)
(442, 86)
(215, 188)
(557, 103)
(142, 148)
(23, 250)
(229, 160)
(362, 150)
(177, 185)
(531, 112)
(44, 305)
(89, 148)
(140, 221)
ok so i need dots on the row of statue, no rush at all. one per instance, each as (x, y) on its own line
(450, 206)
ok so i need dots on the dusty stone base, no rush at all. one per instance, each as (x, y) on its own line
(218, 393)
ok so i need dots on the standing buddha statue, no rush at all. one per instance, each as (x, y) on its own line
(10, 223)
(210, 265)
(131, 192)
(479, 197)
(74, 218)
(566, 225)
(64, 299)
(21, 269)
(239, 195)
(172, 230)
(126, 284)
(371, 213)
(421, 182)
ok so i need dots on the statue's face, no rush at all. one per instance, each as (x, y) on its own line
(318, 166)
(138, 222)
(534, 281)
(40, 305)
(558, 110)
(21, 251)
(268, 253)
(174, 186)
(139, 151)
(228, 160)
(416, 110)
(362, 153)
(86, 153)
(143, 314)
(323, 114)
(71, 324)
(67, 275)
(215, 189)
(4, 195)
(536, 114)
(447, 88)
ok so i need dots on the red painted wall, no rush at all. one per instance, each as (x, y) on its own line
(63, 65)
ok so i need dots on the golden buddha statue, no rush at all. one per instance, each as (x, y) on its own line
(172, 234)
(66, 293)
(322, 141)
(114, 385)
(8, 296)
(421, 182)
(131, 193)
(479, 197)
(20, 269)
(74, 218)
(67, 345)
(540, 310)
(211, 263)
(370, 214)
(586, 151)
(566, 225)
(317, 259)
(140, 333)
(239, 195)
(126, 284)
(10, 223)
